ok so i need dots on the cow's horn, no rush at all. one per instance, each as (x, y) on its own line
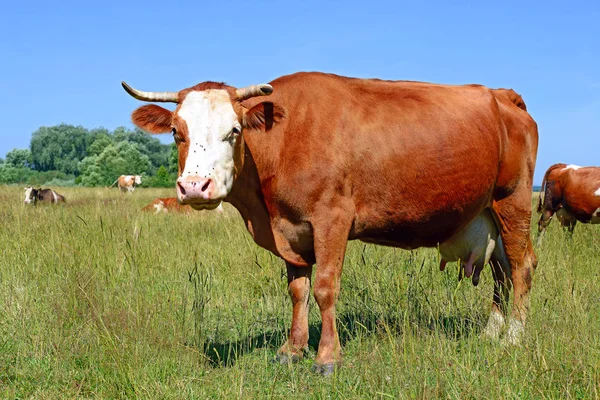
(170, 97)
(253, 91)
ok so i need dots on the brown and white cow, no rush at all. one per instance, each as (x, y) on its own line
(167, 204)
(32, 196)
(325, 159)
(127, 183)
(572, 193)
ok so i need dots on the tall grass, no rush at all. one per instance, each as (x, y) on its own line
(100, 300)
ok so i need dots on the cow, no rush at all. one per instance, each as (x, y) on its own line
(127, 183)
(325, 159)
(572, 193)
(164, 204)
(32, 196)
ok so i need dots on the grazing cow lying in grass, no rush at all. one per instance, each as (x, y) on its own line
(572, 193)
(170, 204)
(128, 182)
(325, 159)
(32, 196)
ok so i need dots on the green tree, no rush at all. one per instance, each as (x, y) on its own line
(101, 142)
(19, 158)
(60, 148)
(174, 159)
(161, 179)
(11, 174)
(157, 152)
(123, 158)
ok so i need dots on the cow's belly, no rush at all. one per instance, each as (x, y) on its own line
(399, 227)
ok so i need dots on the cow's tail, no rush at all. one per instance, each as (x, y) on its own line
(113, 184)
(543, 188)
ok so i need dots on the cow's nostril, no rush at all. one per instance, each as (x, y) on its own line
(181, 189)
(205, 186)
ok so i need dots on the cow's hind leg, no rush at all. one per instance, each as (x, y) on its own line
(502, 283)
(299, 289)
(569, 224)
(514, 215)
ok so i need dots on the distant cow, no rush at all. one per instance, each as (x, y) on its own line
(32, 196)
(128, 182)
(166, 204)
(572, 193)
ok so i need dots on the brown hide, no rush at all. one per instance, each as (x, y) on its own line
(167, 204)
(325, 159)
(414, 162)
(574, 189)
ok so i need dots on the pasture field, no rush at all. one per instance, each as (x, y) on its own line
(100, 300)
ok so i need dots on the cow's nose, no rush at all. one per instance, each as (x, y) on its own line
(189, 189)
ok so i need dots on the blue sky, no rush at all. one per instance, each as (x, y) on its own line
(64, 62)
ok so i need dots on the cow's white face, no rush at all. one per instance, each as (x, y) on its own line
(207, 127)
(138, 179)
(28, 191)
(206, 130)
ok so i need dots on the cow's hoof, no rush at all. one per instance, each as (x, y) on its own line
(324, 369)
(494, 326)
(286, 358)
(514, 334)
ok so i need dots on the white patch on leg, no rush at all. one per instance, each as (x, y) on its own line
(515, 332)
(494, 325)
(572, 166)
(597, 192)
(596, 217)
(158, 207)
(54, 196)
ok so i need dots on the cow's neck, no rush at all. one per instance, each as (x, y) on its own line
(246, 195)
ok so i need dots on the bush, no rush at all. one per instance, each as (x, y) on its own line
(162, 178)
(21, 175)
(10, 174)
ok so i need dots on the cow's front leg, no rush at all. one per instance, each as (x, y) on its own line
(299, 289)
(330, 248)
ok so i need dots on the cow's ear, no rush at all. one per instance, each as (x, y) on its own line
(263, 116)
(152, 118)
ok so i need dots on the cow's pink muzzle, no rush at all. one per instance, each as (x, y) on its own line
(195, 190)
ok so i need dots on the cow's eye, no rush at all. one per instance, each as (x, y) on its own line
(232, 135)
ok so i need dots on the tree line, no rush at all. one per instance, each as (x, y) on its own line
(67, 155)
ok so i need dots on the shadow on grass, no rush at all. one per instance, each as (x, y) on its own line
(350, 325)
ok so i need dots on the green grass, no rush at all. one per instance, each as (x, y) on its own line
(100, 300)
